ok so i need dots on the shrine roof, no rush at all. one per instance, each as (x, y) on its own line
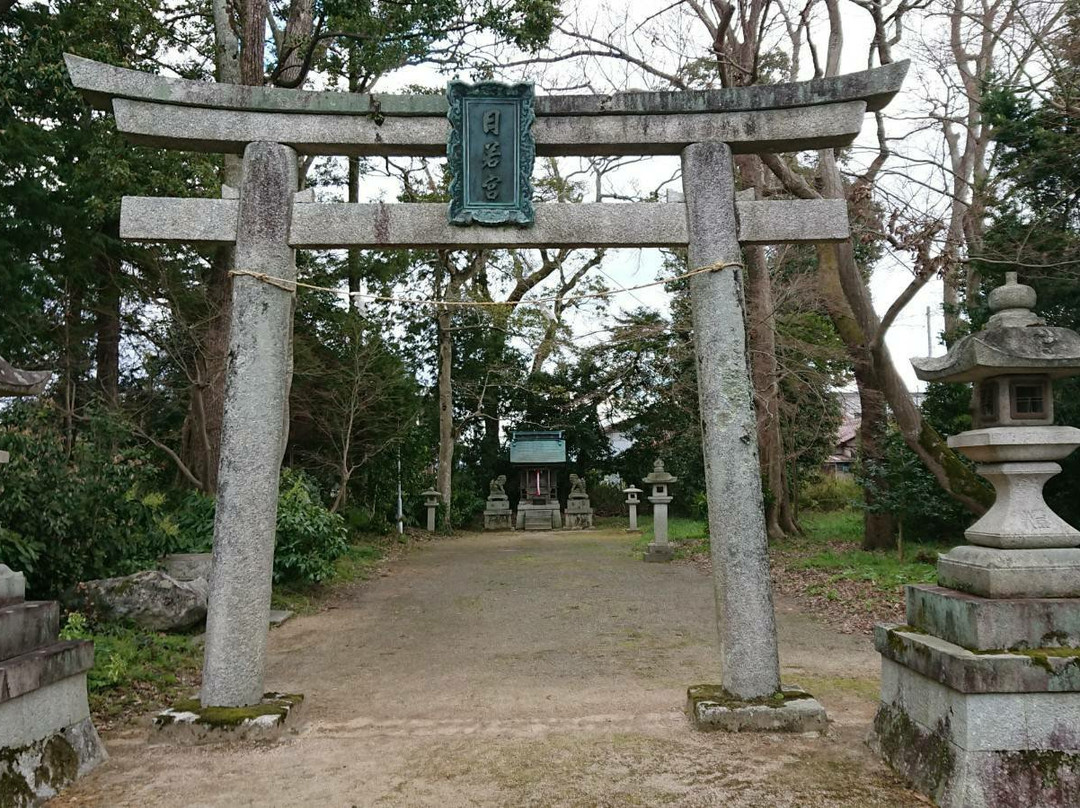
(532, 448)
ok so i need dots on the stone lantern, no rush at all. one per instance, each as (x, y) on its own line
(660, 480)
(985, 669)
(633, 499)
(431, 502)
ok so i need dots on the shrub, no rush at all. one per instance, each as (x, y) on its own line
(607, 499)
(831, 492)
(72, 513)
(309, 537)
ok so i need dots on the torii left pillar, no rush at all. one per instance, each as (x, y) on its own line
(254, 431)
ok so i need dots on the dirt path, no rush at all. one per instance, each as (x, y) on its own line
(520, 670)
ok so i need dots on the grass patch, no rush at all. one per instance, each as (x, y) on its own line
(832, 544)
(686, 535)
(134, 669)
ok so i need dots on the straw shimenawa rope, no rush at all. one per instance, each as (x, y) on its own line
(291, 287)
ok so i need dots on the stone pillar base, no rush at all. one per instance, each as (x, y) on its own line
(498, 520)
(187, 723)
(712, 708)
(34, 773)
(659, 553)
(979, 750)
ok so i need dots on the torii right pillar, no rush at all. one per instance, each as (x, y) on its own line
(750, 695)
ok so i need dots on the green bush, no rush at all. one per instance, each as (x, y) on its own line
(195, 524)
(830, 492)
(607, 499)
(309, 537)
(91, 509)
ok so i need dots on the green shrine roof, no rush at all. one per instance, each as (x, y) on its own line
(537, 448)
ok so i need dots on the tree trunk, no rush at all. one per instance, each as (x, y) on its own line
(253, 42)
(879, 527)
(839, 271)
(107, 326)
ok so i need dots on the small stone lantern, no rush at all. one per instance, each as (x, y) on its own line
(431, 502)
(633, 499)
(997, 642)
(659, 549)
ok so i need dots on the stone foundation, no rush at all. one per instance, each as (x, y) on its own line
(712, 708)
(46, 736)
(497, 514)
(579, 513)
(659, 553)
(979, 750)
(189, 723)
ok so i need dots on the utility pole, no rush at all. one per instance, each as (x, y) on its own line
(400, 515)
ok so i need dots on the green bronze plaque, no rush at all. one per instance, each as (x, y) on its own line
(491, 153)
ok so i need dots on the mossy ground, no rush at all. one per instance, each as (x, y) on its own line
(715, 694)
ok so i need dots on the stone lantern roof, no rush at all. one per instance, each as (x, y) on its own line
(658, 476)
(1014, 341)
(15, 382)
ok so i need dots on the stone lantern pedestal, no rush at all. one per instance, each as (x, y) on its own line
(431, 502)
(633, 499)
(659, 550)
(980, 690)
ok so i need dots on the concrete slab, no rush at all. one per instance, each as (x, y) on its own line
(27, 626)
(188, 723)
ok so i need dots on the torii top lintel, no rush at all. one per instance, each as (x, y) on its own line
(177, 113)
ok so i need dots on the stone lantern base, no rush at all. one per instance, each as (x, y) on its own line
(974, 725)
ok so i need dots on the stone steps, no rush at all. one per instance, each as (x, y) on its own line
(537, 520)
(36, 669)
(27, 626)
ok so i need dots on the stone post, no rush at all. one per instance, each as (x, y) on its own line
(431, 502)
(747, 623)
(659, 480)
(254, 432)
(633, 498)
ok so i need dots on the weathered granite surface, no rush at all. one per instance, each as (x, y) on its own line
(102, 82)
(1034, 671)
(985, 624)
(327, 225)
(12, 585)
(228, 130)
(736, 509)
(972, 750)
(27, 625)
(189, 723)
(994, 573)
(791, 710)
(1020, 517)
(254, 432)
(16, 382)
(33, 773)
(150, 599)
(1017, 444)
(189, 566)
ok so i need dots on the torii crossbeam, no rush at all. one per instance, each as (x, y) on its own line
(267, 221)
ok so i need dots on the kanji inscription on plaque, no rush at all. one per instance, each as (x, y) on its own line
(491, 153)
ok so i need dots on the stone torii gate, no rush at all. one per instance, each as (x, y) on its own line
(267, 220)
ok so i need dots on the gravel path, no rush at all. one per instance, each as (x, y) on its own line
(520, 670)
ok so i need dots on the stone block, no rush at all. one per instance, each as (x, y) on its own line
(43, 711)
(792, 710)
(189, 566)
(279, 617)
(33, 773)
(1034, 671)
(32, 671)
(986, 624)
(27, 626)
(150, 599)
(188, 723)
(12, 585)
(659, 553)
(498, 520)
(995, 573)
(979, 750)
